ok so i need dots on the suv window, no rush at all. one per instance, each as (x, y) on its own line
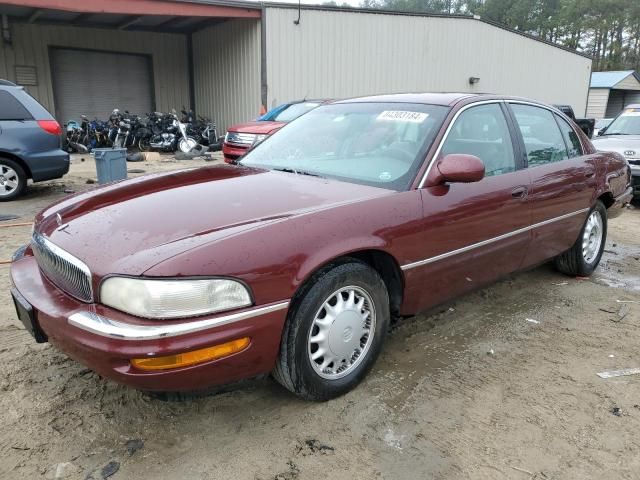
(483, 131)
(570, 137)
(542, 138)
(11, 108)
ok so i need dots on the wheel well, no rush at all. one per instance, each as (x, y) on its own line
(607, 199)
(389, 270)
(19, 161)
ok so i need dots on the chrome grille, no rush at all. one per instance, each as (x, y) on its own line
(240, 138)
(62, 268)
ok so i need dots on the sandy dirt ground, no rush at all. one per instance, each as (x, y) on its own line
(500, 384)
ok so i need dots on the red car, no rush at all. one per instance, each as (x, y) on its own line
(240, 138)
(357, 213)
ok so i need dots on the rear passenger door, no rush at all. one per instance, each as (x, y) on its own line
(562, 179)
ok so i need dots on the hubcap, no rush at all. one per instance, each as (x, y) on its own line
(592, 237)
(342, 332)
(8, 181)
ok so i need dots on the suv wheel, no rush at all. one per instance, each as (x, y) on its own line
(13, 179)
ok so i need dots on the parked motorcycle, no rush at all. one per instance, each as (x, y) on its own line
(173, 137)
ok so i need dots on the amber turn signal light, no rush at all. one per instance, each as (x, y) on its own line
(192, 358)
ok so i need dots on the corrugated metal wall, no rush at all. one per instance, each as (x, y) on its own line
(342, 54)
(30, 47)
(597, 104)
(227, 71)
(616, 103)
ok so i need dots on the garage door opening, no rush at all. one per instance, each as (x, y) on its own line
(93, 83)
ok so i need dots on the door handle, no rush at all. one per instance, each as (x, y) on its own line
(519, 192)
(589, 173)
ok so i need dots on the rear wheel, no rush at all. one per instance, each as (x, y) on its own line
(334, 331)
(13, 179)
(583, 258)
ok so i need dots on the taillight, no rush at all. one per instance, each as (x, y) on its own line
(50, 126)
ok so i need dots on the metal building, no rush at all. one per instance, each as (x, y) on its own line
(610, 92)
(228, 58)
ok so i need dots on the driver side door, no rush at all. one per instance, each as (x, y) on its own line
(472, 233)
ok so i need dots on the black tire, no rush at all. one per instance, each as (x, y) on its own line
(144, 144)
(572, 262)
(293, 368)
(6, 163)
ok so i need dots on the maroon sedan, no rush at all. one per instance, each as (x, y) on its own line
(358, 212)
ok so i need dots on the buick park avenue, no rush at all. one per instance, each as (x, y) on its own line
(295, 260)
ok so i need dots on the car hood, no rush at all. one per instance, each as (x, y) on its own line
(131, 226)
(624, 144)
(259, 128)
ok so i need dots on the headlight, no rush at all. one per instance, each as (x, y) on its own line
(259, 138)
(173, 298)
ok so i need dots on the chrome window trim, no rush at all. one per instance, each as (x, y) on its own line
(442, 256)
(448, 130)
(107, 327)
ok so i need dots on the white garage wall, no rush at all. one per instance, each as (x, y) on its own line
(341, 54)
(226, 60)
(31, 44)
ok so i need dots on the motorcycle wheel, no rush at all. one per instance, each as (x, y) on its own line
(144, 144)
(186, 144)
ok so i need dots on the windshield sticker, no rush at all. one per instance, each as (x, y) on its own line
(403, 116)
(385, 176)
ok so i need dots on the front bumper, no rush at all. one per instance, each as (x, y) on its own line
(105, 340)
(233, 152)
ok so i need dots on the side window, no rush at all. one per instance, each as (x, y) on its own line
(542, 138)
(11, 108)
(482, 131)
(570, 138)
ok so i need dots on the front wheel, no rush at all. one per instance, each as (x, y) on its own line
(144, 144)
(334, 331)
(185, 145)
(584, 256)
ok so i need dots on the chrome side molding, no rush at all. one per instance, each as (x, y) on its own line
(442, 256)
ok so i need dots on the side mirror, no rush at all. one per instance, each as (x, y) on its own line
(459, 168)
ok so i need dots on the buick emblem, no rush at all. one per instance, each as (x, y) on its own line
(629, 153)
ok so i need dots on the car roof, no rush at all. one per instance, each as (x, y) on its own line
(446, 99)
(7, 83)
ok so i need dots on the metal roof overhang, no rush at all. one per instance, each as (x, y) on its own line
(169, 16)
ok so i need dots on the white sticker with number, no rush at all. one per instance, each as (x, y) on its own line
(403, 116)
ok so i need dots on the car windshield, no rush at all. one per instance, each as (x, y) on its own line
(627, 123)
(377, 144)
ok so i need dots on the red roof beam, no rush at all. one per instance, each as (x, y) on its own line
(140, 7)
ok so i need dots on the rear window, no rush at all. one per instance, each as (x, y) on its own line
(11, 108)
